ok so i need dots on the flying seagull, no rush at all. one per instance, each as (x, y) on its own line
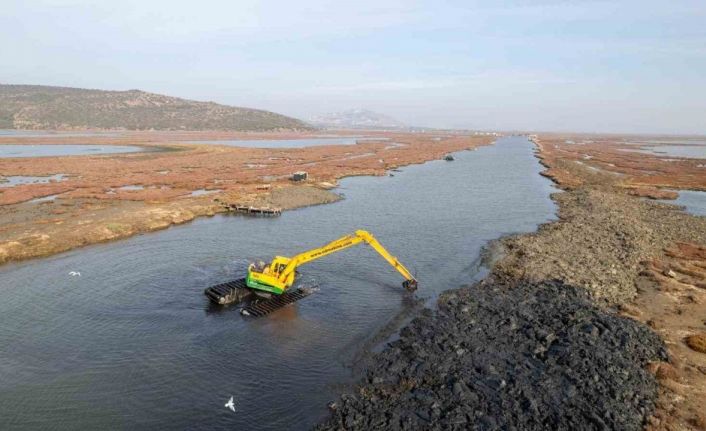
(75, 274)
(230, 404)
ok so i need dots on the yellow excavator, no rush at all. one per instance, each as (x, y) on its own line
(279, 274)
(276, 278)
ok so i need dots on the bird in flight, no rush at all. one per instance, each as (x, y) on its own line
(230, 404)
(75, 274)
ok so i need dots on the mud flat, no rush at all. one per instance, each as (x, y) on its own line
(106, 197)
(596, 321)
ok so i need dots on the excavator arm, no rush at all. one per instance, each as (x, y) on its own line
(280, 274)
(392, 260)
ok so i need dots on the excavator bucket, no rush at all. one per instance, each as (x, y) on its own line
(410, 285)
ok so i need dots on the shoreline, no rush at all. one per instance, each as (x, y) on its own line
(601, 260)
(154, 220)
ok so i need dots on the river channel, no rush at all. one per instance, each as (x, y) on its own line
(132, 343)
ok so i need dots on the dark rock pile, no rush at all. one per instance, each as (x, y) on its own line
(509, 356)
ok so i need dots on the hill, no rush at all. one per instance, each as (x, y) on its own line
(44, 107)
(357, 119)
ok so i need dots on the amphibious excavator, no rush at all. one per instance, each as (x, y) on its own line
(269, 286)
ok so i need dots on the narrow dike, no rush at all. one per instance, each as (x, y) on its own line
(523, 349)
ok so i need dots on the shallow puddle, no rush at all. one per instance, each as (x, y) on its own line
(18, 180)
(202, 192)
(694, 202)
(688, 148)
(9, 150)
(49, 198)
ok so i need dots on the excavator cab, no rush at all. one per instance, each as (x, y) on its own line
(267, 277)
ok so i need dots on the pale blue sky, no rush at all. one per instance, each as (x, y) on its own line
(624, 66)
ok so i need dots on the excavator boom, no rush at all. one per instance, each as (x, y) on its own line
(280, 273)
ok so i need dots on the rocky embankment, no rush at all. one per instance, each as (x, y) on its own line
(596, 321)
(600, 242)
(509, 355)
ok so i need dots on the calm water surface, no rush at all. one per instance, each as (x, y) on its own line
(9, 150)
(133, 343)
(689, 151)
(687, 148)
(694, 202)
(17, 180)
(48, 134)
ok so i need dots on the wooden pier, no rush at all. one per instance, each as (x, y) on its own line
(263, 211)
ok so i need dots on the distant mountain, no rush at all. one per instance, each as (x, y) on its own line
(43, 107)
(356, 119)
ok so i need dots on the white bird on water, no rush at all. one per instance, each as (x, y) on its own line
(230, 404)
(75, 274)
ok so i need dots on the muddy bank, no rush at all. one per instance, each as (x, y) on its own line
(60, 225)
(292, 197)
(509, 355)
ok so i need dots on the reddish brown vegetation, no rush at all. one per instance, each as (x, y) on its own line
(642, 173)
(166, 175)
(92, 207)
(653, 193)
(697, 342)
(674, 304)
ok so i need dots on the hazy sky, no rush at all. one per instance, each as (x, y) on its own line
(633, 66)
